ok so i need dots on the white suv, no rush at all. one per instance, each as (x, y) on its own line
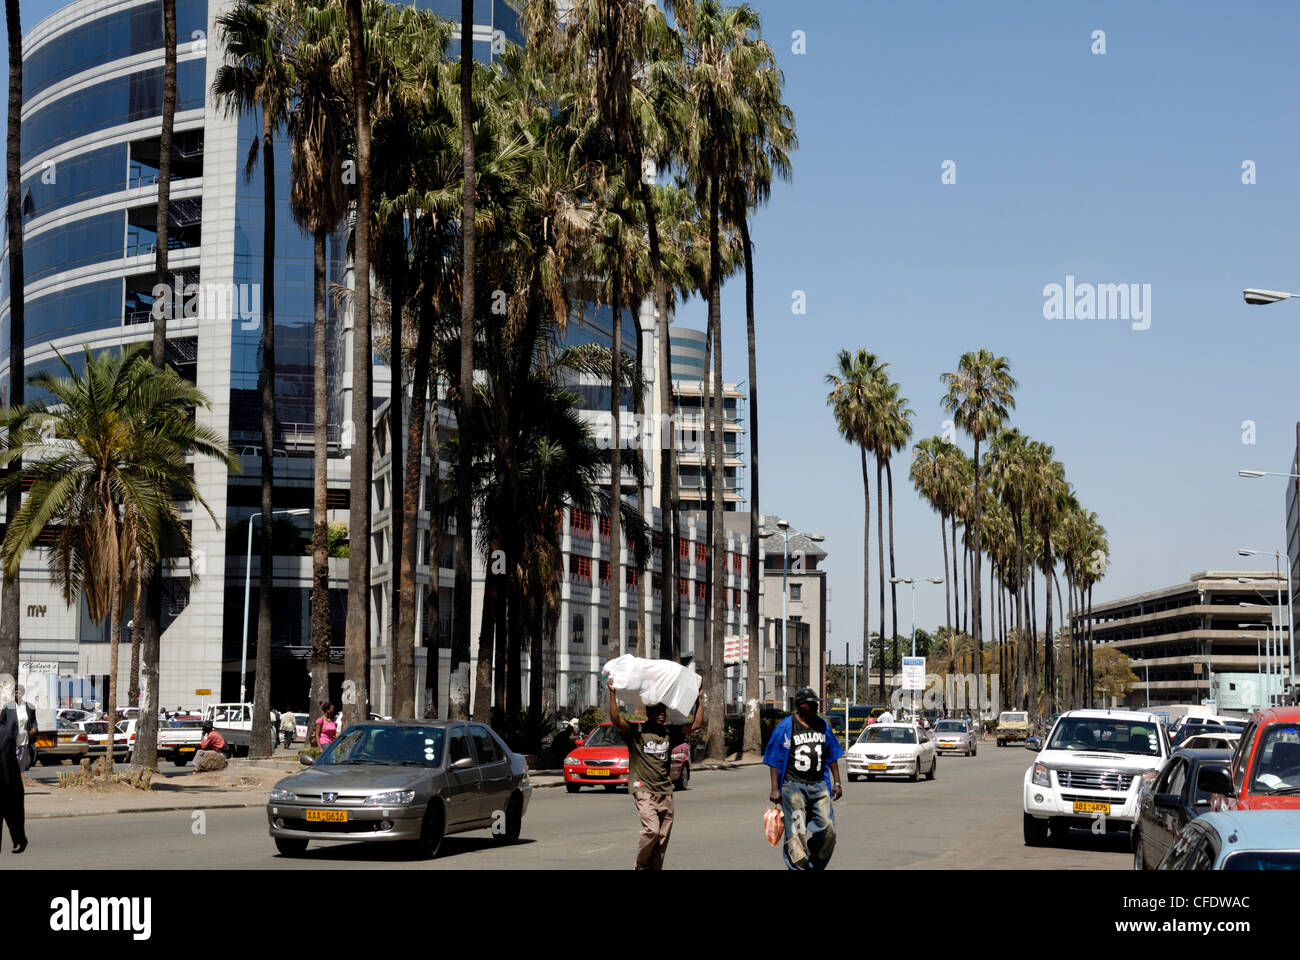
(1090, 769)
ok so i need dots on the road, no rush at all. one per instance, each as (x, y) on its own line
(968, 817)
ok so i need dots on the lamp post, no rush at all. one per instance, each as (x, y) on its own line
(1277, 570)
(1254, 474)
(248, 579)
(784, 528)
(912, 582)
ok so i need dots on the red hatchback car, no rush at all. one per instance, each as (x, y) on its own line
(1265, 769)
(602, 759)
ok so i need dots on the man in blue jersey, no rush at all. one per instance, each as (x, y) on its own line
(803, 756)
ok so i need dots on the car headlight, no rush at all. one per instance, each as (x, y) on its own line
(390, 799)
(1149, 777)
(1042, 775)
(280, 795)
(572, 762)
(621, 763)
(904, 756)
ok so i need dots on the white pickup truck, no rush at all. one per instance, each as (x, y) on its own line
(178, 740)
(1090, 771)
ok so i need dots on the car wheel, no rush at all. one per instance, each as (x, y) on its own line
(1134, 839)
(290, 847)
(916, 774)
(1035, 831)
(934, 767)
(431, 833)
(514, 821)
(181, 761)
(684, 781)
(1139, 854)
(871, 777)
(573, 787)
(1060, 830)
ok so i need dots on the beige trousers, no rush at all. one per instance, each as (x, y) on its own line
(656, 813)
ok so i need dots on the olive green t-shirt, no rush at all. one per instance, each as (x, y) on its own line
(648, 757)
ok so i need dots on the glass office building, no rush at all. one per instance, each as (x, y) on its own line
(92, 105)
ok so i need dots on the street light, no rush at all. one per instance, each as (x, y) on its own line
(784, 527)
(1256, 297)
(248, 579)
(912, 582)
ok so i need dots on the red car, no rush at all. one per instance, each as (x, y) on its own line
(602, 759)
(1265, 769)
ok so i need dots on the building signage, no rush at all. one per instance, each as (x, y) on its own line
(203, 693)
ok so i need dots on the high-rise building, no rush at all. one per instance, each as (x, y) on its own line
(693, 404)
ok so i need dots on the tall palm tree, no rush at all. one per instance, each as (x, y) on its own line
(256, 77)
(319, 200)
(1008, 470)
(979, 397)
(931, 463)
(892, 435)
(854, 386)
(1046, 503)
(107, 459)
(10, 597)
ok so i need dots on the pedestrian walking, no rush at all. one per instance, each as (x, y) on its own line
(26, 720)
(886, 717)
(11, 777)
(326, 727)
(803, 756)
(649, 752)
(288, 724)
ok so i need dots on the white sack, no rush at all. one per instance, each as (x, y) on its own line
(638, 681)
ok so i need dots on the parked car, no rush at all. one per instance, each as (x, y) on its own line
(1201, 718)
(1093, 764)
(1170, 802)
(1265, 769)
(1013, 727)
(409, 781)
(1211, 741)
(1238, 840)
(955, 735)
(178, 740)
(95, 734)
(1189, 730)
(601, 759)
(893, 750)
(75, 715)
(63, 743)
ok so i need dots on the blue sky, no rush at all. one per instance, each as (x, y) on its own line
(1117, 168)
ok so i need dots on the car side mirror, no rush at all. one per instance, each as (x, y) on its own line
(579, 742)
(306, 759)
(1168, 801)
(1034, 744)
(1215, 780)
(464, 763)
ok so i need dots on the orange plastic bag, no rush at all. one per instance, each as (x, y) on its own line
(774, 825)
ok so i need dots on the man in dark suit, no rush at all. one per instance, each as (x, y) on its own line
(26, 728)
(11, 777)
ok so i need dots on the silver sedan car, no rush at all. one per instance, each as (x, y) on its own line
(412, 781)
(954, 736)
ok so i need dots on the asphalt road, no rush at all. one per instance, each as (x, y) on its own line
(968, 817)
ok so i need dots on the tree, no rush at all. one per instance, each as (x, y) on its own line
(852, 397)
(10, 596)
(979, 397)
(256, 76)
(893, 431)
(931, 461)
(106, 459)
(1114, 675)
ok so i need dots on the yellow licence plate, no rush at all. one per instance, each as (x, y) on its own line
(597, 773)
(877, 766)
(1081, 807)
(186, 750)
(327, 816)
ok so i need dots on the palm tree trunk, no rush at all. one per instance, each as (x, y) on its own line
(459, 680)
(550, 693)
(500, 615)
(110, 706)
(893, 587)
(880, 568)
(646, 576)
(947, 582)
(321, 628)
(669, 646)
(10, 602)
(1049, 638)
(1092, 681)
(260, 737)
(515, 621)
(956, 577)
(483, 675)
(977, 613)
(538, 704)
(398, 669)
(133, 680)
(717, 678)
(965, 583)
(613, 600)
(866, 573)
(753, 735)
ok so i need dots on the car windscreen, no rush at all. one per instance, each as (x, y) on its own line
(1105, 735)
(950, 726)
(604, 736)
(362, 744)
(1277, 767)
(1014, 718)
(1263, 860)
(878, 734)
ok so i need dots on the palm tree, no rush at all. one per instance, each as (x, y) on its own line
(319, 201)
(1046, 503)
(893, 432)
(10, 599)
(980, 397)
(107, 461)
(852, 398)
(1007, 467)
(256, 76)
(931, 461)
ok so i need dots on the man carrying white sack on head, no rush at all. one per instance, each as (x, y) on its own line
(650, 744)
